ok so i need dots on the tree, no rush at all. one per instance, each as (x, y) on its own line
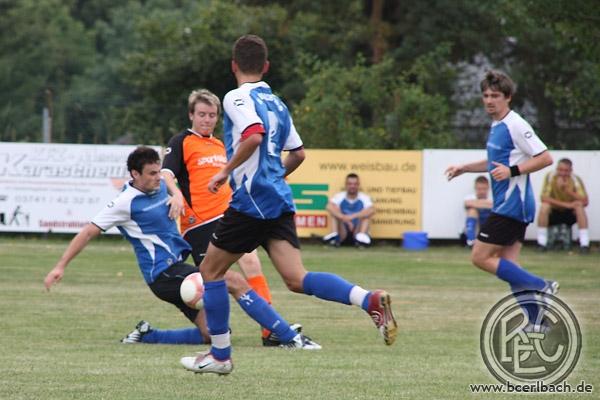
(43, 48)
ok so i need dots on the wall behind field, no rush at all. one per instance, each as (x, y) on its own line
(443, 212)
(60, 187)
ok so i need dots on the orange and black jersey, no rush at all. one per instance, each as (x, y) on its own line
(194, 159)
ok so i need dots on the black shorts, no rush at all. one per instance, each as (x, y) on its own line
(239, 233)
(198, 238)
(501, 230)
(166, 287)
(558, 217)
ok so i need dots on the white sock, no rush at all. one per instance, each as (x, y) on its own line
(584, 238)
(542, 236)
(357, 295)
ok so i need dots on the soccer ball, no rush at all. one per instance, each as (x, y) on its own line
(192, 290)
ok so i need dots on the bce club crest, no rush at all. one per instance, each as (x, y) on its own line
(518, 350)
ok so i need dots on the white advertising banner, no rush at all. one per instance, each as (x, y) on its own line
(57, 187)
(443, 211)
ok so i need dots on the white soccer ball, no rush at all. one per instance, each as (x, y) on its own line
(192, 290)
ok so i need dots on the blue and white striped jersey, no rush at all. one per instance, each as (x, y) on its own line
(512, 141)
(259, 187)
(144, 221)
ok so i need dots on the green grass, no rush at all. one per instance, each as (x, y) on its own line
(64, 344)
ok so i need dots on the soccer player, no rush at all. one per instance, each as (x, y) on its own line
(351, 211)
(513, 152)
(478, 207)
(258, 127)
(141, 214)
(193, 157)
(563, 202)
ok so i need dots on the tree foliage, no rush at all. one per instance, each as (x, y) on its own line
(356, 73)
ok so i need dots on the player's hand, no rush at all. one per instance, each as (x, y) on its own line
(453, 171)
(176, 206)
(217, 181)
(574, 204)
(53, 277)
(347, 217)
(501, 172)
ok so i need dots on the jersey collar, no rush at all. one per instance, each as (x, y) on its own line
(190, 130)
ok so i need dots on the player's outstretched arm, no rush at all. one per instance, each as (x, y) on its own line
(77, 244)
(176, 201)
(456, 170)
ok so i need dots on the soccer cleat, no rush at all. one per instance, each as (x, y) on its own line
(301, 342)
(362, 240)
(380, 310)
(551, 287)
(136, 335)
(584, 250)
(543, 328)
(273, 340)
(205, 363)
(332, 239)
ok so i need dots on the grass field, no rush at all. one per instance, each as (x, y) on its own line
(65, 344)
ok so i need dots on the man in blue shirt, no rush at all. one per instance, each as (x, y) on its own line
(351, 211)
(513, 152)
(258, 127)
(141, 213)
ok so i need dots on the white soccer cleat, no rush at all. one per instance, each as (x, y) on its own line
(205, 363)
(301, 342)
(136, 335)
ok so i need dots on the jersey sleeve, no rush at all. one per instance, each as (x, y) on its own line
(366, 200)
(173, 161)
(240, 109)
(117, 212)
(338, 198)
(293, 141)
(526, 140)
(470, 196)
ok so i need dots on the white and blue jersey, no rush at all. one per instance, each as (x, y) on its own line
(351, 206)
(259, 187)
(144, 221)
(511, 142)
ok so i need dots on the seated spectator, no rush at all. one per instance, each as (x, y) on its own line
(563, 202)
(478, 207)
(351, 211)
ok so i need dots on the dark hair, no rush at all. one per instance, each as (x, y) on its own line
(351, 175)
(498, 81)
(482, 179)
(566, 161)
(141, 156)
(250, 53)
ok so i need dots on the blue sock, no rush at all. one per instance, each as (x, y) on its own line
(471, 228)
(518, 277)
(327, 286)
(262, 312)
(173, 336)
(365, 303)
(216, 306)
(532, 309)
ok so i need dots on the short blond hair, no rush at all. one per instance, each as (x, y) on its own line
(203, 96)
